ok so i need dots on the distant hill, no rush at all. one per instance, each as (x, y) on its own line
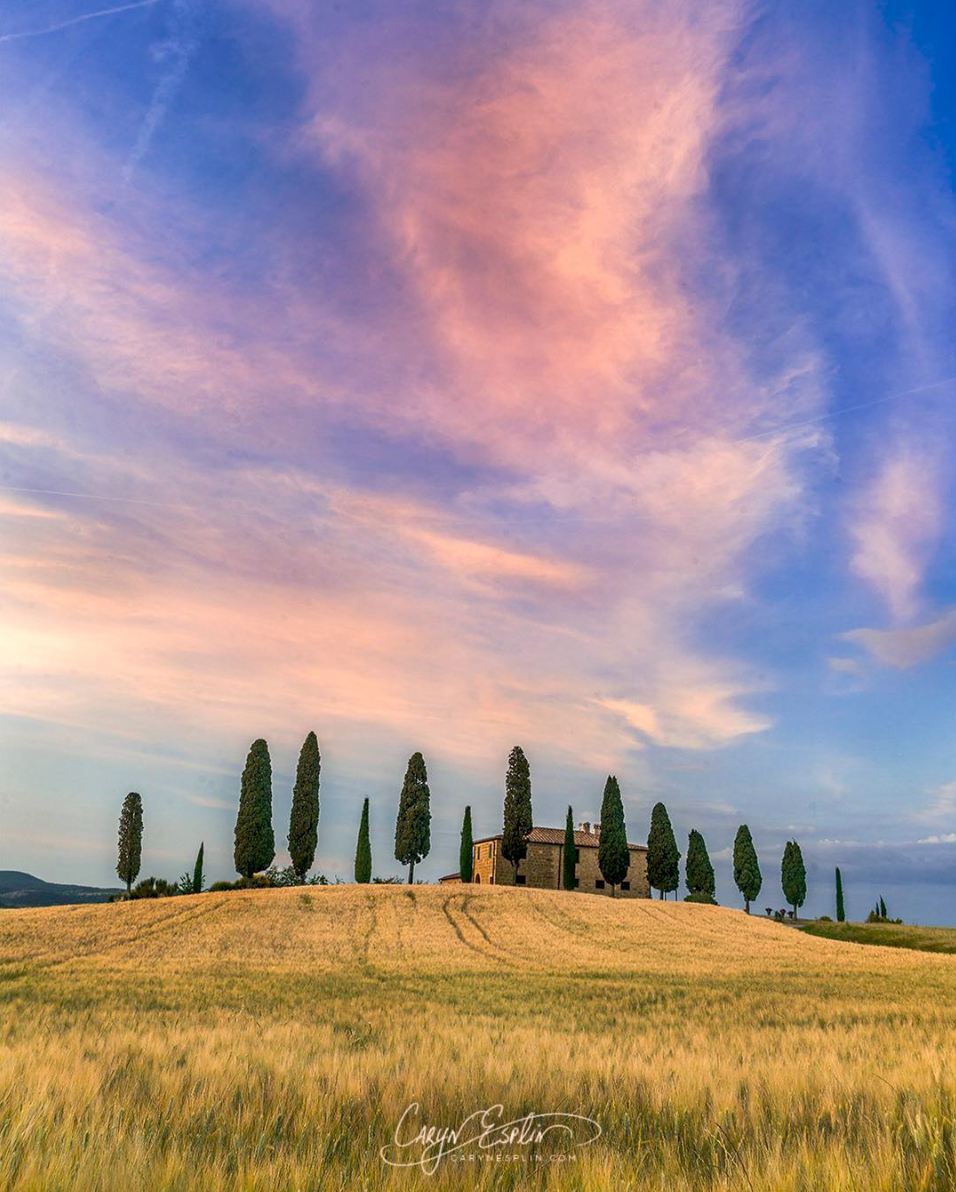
(23, 889)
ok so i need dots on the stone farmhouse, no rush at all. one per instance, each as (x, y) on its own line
(543, 867)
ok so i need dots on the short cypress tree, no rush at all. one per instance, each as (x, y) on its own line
(363, 850)
(255, 843)
(466, 852)
(304, 820)
(663, 859)
(517, 814)
(793, 876)
(412, 827)
(747, 874)
(197, 871)
(840, 914)
(614, 858)
(130, 845)
(699, 870)
(882, 909)
(570, 853)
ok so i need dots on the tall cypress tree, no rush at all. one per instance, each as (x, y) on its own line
(663, 858)
(197, 871)
(746, 868)
(467, 848)
(517, 814)
(614, 858)
(699, 870)
(570, 852)
(130, 845)
(255, 843)
(840, 913)
(304, 820)
(412, 828)
(363, 850)
(883, 914)
(793, 876)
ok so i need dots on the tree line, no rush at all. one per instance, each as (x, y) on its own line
(254, 841)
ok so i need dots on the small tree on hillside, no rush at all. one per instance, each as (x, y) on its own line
(883, 914)
(255, 843)
(840, 913)
(793, 876)
(570, 853)
(663, 858)
(304, 819)
(465, 855)
(197, 870)
(412, 828)
(700, 872)
(363, 849)
(747, 874)
(614, 858)
(517, 814)
(130, 845)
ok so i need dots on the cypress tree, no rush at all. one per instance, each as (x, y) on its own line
(363, 850)
(570, 852)
(699, 870)
(614, 859)
(304, 820)
(517, 814)
(130, 845)
(793, 876)
(663, 870)
(841, 916)
(746, 868)
(412, 839)
(255, 843)
(882, 908)
(467, 848)
(197, 872)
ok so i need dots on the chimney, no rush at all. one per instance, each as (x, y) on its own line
(585, 828)
(597, 829)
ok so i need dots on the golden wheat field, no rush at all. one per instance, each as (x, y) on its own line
(264, 1040)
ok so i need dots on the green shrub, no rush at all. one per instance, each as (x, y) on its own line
(221, 886)
(702, 896)
(824, 919)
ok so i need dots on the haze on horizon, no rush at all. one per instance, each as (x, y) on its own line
(450, 376)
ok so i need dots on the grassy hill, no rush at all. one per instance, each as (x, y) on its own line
(272, 1039)
(23, 889)
(888, 935)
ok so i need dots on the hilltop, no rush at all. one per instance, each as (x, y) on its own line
(273, 1039)
(23, 889)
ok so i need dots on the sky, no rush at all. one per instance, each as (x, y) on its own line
(446, 376)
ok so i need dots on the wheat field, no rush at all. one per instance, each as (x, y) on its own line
(271, 1040)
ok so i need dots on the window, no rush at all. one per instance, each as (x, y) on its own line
(521, 880)
(576, 883)
(625, 885)
(577, 855)
(599, 885)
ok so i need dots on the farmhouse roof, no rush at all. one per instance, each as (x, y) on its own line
(556, 836)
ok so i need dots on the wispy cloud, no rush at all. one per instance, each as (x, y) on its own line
(78, 20)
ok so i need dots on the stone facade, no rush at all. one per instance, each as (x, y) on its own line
(543, 867)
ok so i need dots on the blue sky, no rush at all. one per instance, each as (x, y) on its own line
(443, 377)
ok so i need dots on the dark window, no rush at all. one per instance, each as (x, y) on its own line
(576, 883)
(577, 855)
(521, 880)
(625, 885)
(599, 885)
